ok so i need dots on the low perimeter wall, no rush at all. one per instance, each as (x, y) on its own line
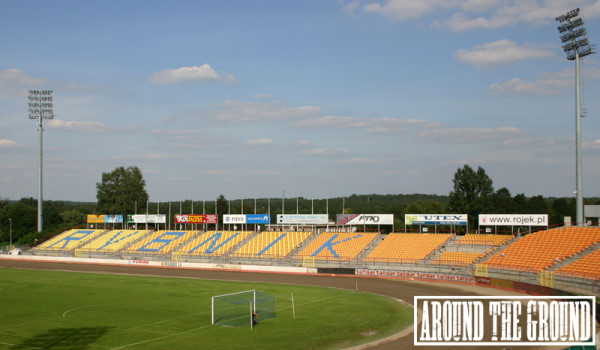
(165, 264)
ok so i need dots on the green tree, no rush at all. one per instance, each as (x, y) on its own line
(120, 190)
(520, 203)
(72, 218)
(222, 207)
(561, 207)
(502, 202)
(472, 193)
(537, 205)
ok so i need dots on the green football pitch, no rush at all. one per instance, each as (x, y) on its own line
(67, 310)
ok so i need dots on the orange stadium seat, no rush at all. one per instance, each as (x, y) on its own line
(484, 239)
(344, 246)
(214, 243)
(587, 267)
(161, 242)
(542, 249)
(407, 247)
(458, 258)
(114, 240)
(70, 239)
(269, 244)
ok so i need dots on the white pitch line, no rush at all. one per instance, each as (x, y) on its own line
(167, 320)
(114, 305)
(64, 315)
(195, 329)
(159, 338)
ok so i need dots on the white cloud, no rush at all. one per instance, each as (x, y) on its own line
(17, 82)
(544, 84)
(260, 142)
(351, 7)
(216, 172)
(330, 121)
(324, 152)
(86, 126)
(371, 125)
(400, 10)
(500, 52)
(263, 96)
(238, 111)
(591, 144)
(459, 22)
(519, 86)
(358, 161)
(4, 143)
(528, 142)
(194, 74)
(470, 135)
(152, 156)
(463, 15)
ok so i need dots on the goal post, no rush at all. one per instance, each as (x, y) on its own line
(231, 310)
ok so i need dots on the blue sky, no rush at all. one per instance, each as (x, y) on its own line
(316, 98)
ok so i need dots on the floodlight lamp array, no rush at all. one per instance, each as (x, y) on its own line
(567, 16)
(576, 44)
(40, 104)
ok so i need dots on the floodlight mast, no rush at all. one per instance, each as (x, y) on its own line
(40, 108)
(576, 46)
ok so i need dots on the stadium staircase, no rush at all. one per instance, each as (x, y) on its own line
(449, 245)
(301, 246)
(368, 249)
(497, 249)
(241, 243)
(130, 244)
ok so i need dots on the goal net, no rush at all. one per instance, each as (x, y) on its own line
(235, 309)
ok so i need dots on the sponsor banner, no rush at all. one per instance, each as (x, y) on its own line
(513, 219)
(258, 219)
(436, 219)
(196, 218)
(95, 219)
(303, 219)
(416, 275)
(156, 219)
(234, 219)
(147, 219)
(505, 321)
(365, 219)
(136, 219)
(113, 219)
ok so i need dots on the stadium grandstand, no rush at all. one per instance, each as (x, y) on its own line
(213, 243)
(484, 239)
(545, 257)
(341, 246)
(587, 266)
(542, 249)
(407, 247)
(161, 242)
(69, 240)
(458, 258)
(113, 241)
(269, 244)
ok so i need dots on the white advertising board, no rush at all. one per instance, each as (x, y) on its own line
(365, 219)
(234, 219)
(302, 219)
(513, 219)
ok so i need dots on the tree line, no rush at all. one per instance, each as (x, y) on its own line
(123, 191)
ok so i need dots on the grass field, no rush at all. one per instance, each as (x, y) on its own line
(66, 310)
